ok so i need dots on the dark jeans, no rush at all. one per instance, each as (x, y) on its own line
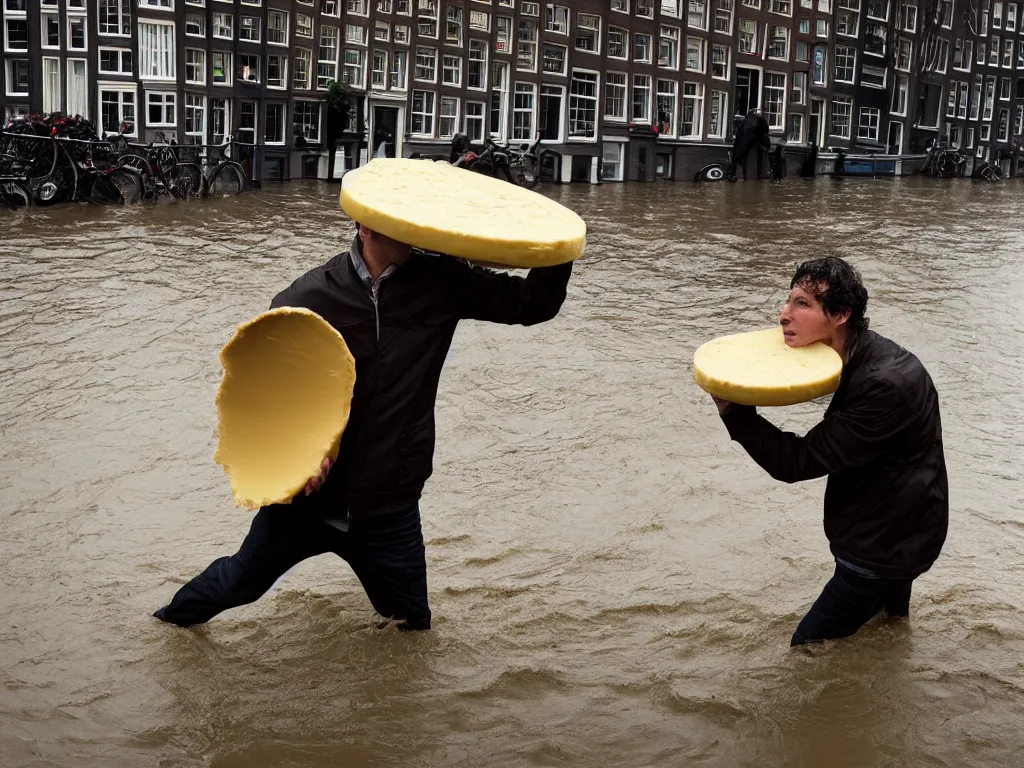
(848, 602)
(385, 552)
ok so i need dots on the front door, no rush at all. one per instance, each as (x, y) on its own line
(816, 123)
(748, 90)
(385, 128)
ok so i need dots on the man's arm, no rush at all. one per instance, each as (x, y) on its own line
(510, 299)
(848, 439)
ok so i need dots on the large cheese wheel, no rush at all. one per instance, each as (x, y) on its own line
(757, 368)
(437, 207)
(282, 404)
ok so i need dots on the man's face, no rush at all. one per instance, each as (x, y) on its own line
(391, 251)
(803, 319)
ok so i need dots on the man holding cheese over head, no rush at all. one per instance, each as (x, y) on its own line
(397, 308)
(880, 444)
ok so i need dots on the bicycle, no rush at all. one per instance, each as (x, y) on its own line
(161, 170)
(226, 177)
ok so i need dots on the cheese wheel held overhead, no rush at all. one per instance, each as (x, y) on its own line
(437, 207)
(283, 403)
(758, 368)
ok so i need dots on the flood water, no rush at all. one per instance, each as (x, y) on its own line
(613, 582)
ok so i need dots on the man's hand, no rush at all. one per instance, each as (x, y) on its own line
(317, 480)
(722, 404)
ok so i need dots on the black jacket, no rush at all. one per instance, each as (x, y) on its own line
(400, 344)
(880, 443)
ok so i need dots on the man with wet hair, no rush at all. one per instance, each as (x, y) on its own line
(880, 443)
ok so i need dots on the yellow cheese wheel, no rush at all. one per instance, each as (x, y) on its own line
(437, 207)
(282, 404)
(757, 368)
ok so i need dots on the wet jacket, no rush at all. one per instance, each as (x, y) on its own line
(399, 334)
(880, 443)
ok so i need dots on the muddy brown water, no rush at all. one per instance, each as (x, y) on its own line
(613, 582)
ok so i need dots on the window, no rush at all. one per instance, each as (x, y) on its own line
(554, 58)
(723, 16)
(475, 120)
(306, 120)
(156, 51)
(997, 16)
(449, 118)
(645, 9)
(979, 84)
(642, 48)
(427, 19)
(160, 110)
(795, 132)
(303, 25)
(820, 72)
(697, 14)
(720, 61)
(422, 115)
(480, 20)
(383, 6)
(327, 56)
(277, 29)
(615, 96)
(846, 58)
(273, 124)
(223, 26)
(821, 28)
(775, 100)
(195, 119)
(719, 114)
(783, 7)
(621, 6)
(899, 95)
(667, 93)
(426, 64)
(476, 72)
(115, 19)
(51, 30)
(878, 9)
(16, 34)
(526, 45)
(355, 34)
(277, 70)
(523, 112)
(611, 160)
(76, 33)
(222, 68)
(248, 68)
(802, 51)
(453, 26)
(1008, 54)
(195, 66)
(847, 23)
(641, 111)
(668, 48)
(504, 35)
(302, 64)
(990, 93)
(695, 51)
(167, 5)
(617, 42)
(1004, 125)
(842, 107)
(873, 77)
(779, 47)
(550, 124)
(51, 85)
(1011, 19)
(557, 19)
(868, 126)
(588, 33)
(249, 29)
(798, 95)
(117, 106)
(993, 53)
(451, 73)
(399, 68)
(749, 38)
(379, 71)
(583, 105)
(195, 24)
(1004, 89)
(904, 54)
(115, 61)
(381, 31)
(354, 72)
(693, 110)
(247, 122)
(499, 100)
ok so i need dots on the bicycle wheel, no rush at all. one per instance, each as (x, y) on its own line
(13, 194)
(226, 180)
(186, 181)
(140, 165)
(129, 184)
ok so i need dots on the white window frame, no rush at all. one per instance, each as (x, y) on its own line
(45, 17)
(874, 116)
(697, 97)
(170, 54)
(202, 68)
(52, 102)
(229, 70)
(157, 5)
(166, 97)
(532, 111)
(644, 119)
(284, 123)
(120, 60)
(454, 118)
(283, 57)
(189, 105)
(674, 114)
(845, 101)
(287, 21)
(120, 88)
(623, 116)
(7, 34)
(482, 117)
(423, 113)
(591, 139)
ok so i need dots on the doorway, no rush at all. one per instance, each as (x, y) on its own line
(748, 90)
(816, 123)
(385, 129)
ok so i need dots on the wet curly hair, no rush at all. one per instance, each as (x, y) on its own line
(838, 287)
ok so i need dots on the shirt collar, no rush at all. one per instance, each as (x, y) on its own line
(362, 270)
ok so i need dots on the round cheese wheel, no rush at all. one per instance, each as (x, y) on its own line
(757, 368)
(437, 207)
(282, 404)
